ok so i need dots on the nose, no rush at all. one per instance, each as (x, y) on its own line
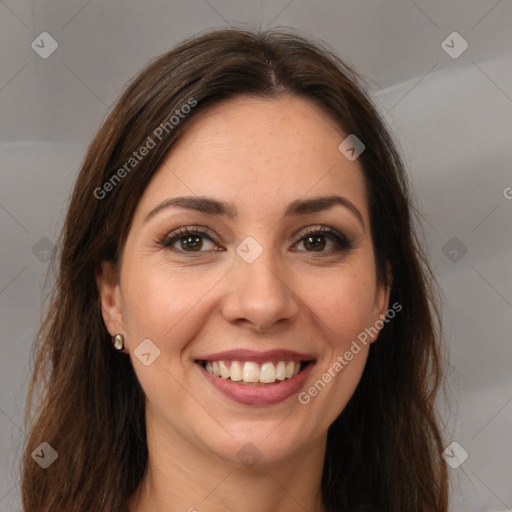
(260, 295)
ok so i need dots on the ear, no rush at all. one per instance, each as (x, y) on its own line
(109, 290)
(381, 305)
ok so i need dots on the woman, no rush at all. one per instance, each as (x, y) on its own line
(243, 318)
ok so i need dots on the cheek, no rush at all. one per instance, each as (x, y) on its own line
(165, 306)
(342, 314)
(343, 305)
(161, 303)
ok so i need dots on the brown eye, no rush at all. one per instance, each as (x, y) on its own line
(194, 243)
(186, 240)
(315, 243)
(324, 240)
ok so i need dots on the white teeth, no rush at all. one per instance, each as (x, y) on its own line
(281, 370)
(251, 372)
(235, 372)
(268, 372)
(224, 370)
(290, 367)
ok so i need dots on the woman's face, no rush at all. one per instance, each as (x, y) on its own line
(269, 280)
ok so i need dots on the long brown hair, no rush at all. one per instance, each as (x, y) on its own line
(384, 450)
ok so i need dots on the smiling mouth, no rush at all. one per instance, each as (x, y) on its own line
(251, 373)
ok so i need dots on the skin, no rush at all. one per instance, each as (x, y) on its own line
(259, 154)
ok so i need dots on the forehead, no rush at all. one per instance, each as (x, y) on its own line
(259, 153)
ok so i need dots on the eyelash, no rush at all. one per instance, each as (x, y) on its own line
(342, 243)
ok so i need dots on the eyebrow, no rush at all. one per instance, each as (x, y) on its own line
(210, 206)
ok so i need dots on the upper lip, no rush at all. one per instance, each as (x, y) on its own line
(256, 356)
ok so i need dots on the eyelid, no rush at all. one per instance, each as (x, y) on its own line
(316, 229)
(182, 231)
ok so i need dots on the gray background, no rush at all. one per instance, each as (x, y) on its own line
(452, 117)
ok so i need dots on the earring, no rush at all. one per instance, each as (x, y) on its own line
(118, 341)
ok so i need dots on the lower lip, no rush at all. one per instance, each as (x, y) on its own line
(259, 395)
